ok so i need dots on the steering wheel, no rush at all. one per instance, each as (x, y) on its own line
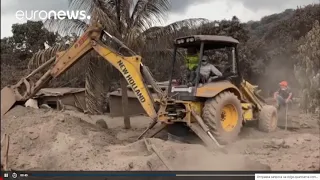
(227, 69)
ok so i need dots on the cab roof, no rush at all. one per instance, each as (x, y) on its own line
(211, 41)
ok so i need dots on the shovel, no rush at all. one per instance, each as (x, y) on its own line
(286, 127)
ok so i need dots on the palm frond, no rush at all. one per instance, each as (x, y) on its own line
(146, 13)
(105, 8)
(132, 40)
(89, 6)
(159, 60)
(66, 26)
(44, 55)
(173, 28)
(126, 9)
(72, 76)
(99, 10)
(163, 52)
(108, 23)
(163, 37)
(152, 29)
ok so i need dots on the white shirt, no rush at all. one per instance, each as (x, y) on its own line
(208, 69)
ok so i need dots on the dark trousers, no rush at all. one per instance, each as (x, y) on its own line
(192, 74)
(281, 102)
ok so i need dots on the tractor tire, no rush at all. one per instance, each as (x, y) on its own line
(223, 116)
(268, 119)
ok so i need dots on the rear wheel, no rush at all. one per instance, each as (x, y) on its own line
(223, 115)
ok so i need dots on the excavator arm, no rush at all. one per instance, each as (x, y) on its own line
(130, 67)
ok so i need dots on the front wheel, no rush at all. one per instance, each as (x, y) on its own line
(223, 116)
(268, 119)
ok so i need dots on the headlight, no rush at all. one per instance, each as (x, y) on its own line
(191, 39)
(180, 41)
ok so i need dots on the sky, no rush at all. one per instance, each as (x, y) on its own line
(245, 10)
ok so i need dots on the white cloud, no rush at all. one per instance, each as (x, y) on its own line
(225, 9)
(6, 23)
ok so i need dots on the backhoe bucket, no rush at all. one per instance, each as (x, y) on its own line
(8, 99)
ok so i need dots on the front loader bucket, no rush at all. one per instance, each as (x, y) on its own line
(8, 99)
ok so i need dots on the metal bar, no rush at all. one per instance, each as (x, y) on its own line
(199, 66)
(150, 79)
(234, 63)
(151, 146)
(195, 127)
(5, 141)
(238, 65)
(158, 131)
(41, 67)
(131, 52)
(6, 153)
(153, 123)
(286, 127)
(172, 70)
(40, 83)
(205, 128)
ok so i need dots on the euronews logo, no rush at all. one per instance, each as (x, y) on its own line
(44, 15)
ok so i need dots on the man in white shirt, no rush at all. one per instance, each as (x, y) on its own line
(208, 72)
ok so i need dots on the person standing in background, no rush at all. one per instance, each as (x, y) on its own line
(283, 95)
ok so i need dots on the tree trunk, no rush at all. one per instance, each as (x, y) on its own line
(125, 106)
(95, 91)
(123, 82)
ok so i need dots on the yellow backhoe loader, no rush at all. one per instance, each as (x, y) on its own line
(215, 111)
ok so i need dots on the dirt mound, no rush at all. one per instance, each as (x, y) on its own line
(288, 151)
(50, 140)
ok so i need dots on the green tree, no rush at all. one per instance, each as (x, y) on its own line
(31, 37)
(273, 43)
(7, 50)
(27, 39)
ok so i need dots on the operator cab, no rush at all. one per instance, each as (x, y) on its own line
(219, 51)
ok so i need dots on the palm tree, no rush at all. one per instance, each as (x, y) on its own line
(130, 21)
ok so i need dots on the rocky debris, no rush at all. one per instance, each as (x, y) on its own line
(289, 142)
(60, 117)
(32, 135)
(45, 106)
(31, 103)
(130, 165)
(102, 124)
